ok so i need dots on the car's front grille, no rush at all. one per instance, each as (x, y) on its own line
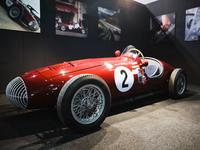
(16, 92)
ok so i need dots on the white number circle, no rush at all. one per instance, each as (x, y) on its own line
(124, 79)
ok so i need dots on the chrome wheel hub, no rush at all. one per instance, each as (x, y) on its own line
(91, 104)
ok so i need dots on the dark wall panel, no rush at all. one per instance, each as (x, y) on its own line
(178, 53)
(11, 57)
(34, 56)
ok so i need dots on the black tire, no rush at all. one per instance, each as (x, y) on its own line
(72, 109)
(63, 27)
(177, 83)
(15, 12)
(38, 19)
(83, 31)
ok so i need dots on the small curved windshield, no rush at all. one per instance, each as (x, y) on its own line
(127, 49)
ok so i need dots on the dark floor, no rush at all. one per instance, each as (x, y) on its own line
(153, 123)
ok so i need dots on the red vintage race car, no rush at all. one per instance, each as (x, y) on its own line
(82, 90)
(19, 11)
(71, 27)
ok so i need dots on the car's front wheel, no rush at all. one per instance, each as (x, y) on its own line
(177, 83)
(15, 12)
(63, 27)
(84, 102)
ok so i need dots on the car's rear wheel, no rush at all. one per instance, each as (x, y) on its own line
(15, 12)
(84, 102)
(83, 31)
(177, 83)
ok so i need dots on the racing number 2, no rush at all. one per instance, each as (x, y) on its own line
(124, 85)
(124, 79)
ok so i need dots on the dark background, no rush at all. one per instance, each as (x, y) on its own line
(25, 51)
(178, 53)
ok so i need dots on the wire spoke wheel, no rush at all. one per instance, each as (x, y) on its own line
(181, 83)
(14, 12)
(84, 102)
(63, 28)
(177, 83)
(83, 31)
(87, 104)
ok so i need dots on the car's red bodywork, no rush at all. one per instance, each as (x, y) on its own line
(43, 85)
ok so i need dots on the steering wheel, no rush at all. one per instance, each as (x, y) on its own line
(139, 52)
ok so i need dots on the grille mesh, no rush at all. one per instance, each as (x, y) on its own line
(16, 93)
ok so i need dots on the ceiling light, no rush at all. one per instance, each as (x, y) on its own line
(144, 2)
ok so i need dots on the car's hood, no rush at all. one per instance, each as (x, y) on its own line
(70, 67)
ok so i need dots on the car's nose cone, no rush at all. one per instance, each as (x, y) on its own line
(16, 92)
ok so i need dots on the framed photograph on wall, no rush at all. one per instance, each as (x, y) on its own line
(109, 24)
(192, 24)
(20, 15)
(71, 18)
(162, 26)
